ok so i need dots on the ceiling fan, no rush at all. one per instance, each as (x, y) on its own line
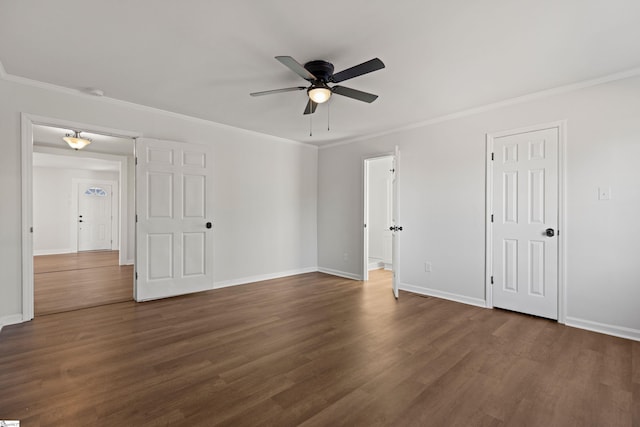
(319, 74)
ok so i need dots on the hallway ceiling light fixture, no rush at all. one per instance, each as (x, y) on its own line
(75, 141)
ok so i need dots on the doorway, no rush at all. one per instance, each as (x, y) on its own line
(378, 177)
(62, 269)
(525, 220)
(381, 185)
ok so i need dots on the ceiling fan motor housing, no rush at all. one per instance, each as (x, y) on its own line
(323, 70)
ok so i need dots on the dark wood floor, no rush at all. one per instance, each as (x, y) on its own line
(68, 282)
(313, 350)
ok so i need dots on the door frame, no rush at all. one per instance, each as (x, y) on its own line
(365, 210)
(561, 126)
(27, 121)
(116, 211)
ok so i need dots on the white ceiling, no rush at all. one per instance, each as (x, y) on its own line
(203, 58)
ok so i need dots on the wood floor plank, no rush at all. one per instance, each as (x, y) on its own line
(312, 350)
(67, 282)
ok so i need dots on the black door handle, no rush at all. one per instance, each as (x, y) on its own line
(395, 228)
(209, 225)
(549, 232)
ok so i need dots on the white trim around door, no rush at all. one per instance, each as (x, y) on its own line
(561, 127)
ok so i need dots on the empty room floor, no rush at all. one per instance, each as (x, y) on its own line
(313, 349)
(73, 281)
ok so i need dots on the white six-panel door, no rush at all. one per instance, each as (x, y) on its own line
(174, 245)
(525, 222)
(94, 216)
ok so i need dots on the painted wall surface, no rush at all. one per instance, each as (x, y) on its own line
(265, 188)
(52, 206)
(379, 202)
(442, 202)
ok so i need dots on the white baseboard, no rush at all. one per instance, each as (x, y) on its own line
(388, 266)
(10, 320)
(339, 273)
(129, 262)
(603, 328)
(262, 277)
(52, 251)
(444, 295)
(375, 265)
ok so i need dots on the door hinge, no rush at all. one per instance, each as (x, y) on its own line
(491, 217)
(365, 226)
(491, 156)
(136, 275)
(136, 160)
(492, 280)
(30, 229)
(136, 217)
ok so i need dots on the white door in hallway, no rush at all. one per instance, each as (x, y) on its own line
(395, 228)
(174, 228)
(525, 222)
(94, 217)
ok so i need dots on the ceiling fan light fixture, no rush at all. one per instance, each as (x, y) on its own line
(319, 93)
(75, 141)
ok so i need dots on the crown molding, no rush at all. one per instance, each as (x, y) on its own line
(144, 108)
(634, 72)
(460, 114)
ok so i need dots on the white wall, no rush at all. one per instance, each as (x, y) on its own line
(265, 188)
(52, 205)
(442, 202)
(379, 202)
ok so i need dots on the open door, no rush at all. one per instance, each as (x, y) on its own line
(395, 228)
(174, 234)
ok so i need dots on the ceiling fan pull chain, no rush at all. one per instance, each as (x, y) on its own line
(328, 116)
(310, 124)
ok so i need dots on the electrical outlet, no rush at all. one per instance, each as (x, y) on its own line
(427, 267)
(604, 193)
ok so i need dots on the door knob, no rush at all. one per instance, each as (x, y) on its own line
(549, 232)
(209, 225)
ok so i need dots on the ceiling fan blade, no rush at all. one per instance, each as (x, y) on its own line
(311, 107)
(296, 67)
(269, 92)
(358, 70)
(355, 94)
